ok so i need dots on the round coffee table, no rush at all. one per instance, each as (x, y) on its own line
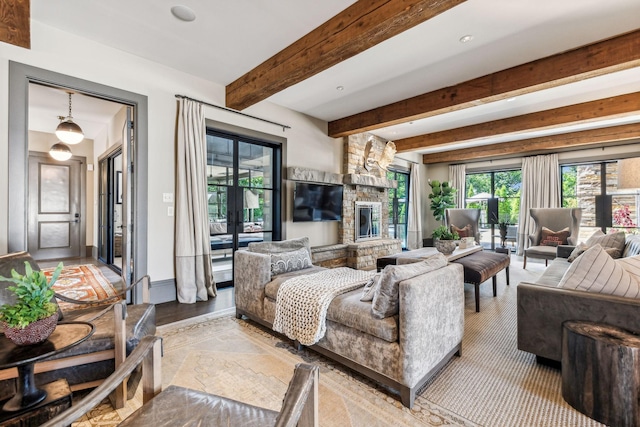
(65, 336)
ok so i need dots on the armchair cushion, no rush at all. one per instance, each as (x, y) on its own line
(192, 407)
(554, 238)
(596, 271)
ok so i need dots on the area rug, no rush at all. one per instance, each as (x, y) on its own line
(492, 384)
(81, 282)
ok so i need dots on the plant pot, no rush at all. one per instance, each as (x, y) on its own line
(33, 333)
(445, 246)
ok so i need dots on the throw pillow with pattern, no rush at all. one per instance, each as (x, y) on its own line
(554, 238)
(612, 243)
(462, 232)
(596, 271)
(285, 262)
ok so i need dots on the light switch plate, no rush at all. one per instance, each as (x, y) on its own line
(167, 197)
(170, 211)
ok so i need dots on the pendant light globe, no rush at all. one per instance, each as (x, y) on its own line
(68, 131)
(60, 151)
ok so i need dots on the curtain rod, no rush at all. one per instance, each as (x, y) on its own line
(231, 110)
(407, 160)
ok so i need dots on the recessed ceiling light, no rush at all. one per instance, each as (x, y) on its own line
(183, 13)
(465, 39)
(340, 88)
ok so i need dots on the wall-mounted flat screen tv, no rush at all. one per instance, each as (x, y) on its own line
(317, 202)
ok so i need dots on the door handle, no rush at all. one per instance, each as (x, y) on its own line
(76, 216)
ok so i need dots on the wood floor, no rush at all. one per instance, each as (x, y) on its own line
(169, 312)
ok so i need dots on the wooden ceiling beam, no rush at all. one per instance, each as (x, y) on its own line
(617, 106)
(357, 28)
(15, 24)
(615, 54)
(552, 143)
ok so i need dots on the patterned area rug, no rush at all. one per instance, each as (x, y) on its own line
(82, 282)
(492, 384)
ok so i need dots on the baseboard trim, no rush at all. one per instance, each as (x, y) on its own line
(163, 291)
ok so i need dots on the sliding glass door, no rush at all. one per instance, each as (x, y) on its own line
(243, 177)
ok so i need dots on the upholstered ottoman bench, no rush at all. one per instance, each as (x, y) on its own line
(481, 266)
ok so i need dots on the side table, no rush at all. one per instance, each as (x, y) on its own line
(65, 336)
(601, 372)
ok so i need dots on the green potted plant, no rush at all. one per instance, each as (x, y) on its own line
(32, 317)
(442, 197)
(444, 239)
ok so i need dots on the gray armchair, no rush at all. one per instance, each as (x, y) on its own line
(555, 219)
(463, 217)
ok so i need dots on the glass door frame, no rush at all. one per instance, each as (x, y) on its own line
(235, 192)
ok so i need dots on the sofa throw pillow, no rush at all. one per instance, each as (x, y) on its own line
(285, 262)
(612, 243)
(554, 238)
(370, 288)
(462, 232)
(279, 247)
(612, 240)
(386, 297)
(596, 271)
(631, 265)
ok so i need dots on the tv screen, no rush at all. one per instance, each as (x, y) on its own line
(317, 202)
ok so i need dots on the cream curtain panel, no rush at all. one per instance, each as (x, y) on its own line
(194, 274)
(457, 176)
(540, 189)
(414, 222)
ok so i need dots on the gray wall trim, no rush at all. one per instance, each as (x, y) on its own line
(163, 291)
(20, 75)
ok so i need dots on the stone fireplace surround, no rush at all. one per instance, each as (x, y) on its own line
(362, 185)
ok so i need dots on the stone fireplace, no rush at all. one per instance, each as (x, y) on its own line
(365, 190)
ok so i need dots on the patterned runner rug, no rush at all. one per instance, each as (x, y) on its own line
(82, 282)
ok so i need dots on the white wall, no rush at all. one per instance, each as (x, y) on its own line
(307, 142)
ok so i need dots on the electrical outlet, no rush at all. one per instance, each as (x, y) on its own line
(170, 211)
(167, 197)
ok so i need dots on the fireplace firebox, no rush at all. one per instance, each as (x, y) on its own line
(368, 221)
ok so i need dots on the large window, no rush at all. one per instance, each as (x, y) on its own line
(594, 188)
(503, 185)
(398, 206)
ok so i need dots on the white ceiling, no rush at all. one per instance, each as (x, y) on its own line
(229, 38)
(46, 104)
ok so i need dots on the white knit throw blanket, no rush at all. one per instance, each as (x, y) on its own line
(302, 301)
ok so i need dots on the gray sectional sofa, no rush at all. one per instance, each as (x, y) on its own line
(543, 307)
(401, 351)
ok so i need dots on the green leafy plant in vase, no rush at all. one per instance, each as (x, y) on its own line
(33, 316)
(445, 239)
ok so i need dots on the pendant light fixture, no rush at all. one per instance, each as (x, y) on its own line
(67, 131)
(60, 151)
